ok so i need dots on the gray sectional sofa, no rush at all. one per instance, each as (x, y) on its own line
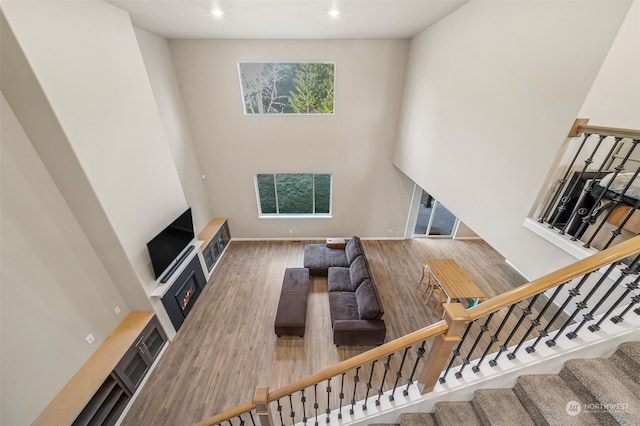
(354, 302)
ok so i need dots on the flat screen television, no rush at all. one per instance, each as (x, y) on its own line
(167, 246)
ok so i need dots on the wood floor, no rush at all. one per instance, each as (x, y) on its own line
(227, 345)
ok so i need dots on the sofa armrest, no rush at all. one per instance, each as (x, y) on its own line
(359, 332)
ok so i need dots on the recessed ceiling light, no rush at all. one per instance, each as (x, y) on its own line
(334, 12)
(216, 12)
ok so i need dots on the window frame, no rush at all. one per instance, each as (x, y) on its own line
(278, 215)
(243, 87)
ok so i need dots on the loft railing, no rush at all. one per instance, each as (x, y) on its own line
(596, 198)
(540, 310)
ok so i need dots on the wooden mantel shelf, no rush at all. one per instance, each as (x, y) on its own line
(77, 393)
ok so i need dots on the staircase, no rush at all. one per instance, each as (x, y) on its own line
(598, 391)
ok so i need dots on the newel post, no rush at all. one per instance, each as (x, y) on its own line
(456, 317)
(260, 399)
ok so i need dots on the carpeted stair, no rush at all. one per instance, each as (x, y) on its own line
(599, 391)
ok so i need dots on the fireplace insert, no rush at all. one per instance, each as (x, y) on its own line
(183, 293)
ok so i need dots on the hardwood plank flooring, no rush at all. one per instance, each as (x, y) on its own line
(227, 345)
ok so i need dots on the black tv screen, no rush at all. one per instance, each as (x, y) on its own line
(165, 247)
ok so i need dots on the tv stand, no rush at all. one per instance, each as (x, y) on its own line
(176, 265)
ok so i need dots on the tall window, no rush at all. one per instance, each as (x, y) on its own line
(294, 194)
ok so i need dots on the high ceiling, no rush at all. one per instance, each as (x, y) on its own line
(287, 19)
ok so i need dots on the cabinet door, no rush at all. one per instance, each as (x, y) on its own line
(215, 249)
(133, 367)
(208, 257)
(135, 364)
(224, 237)
(153, 340)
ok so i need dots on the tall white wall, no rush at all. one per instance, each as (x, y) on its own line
(490, 94)
(89, 73)
(87, 179)
(55, 289)
(614, 98)
(370, 196)
(160, 69)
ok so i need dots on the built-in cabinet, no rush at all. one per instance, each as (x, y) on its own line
(99, 392)
(215, 237)
(138, 360)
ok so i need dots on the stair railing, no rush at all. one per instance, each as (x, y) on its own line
(584, 206)
(503, 324)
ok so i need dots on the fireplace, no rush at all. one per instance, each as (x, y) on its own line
(183, 293)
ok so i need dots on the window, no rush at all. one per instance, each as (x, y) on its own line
(294, 194)
(287, 87)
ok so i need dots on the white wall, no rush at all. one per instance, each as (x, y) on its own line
(87, 64)
(55, 290)
(159, 65)
(490, 94)
(614, 98)
(370, 196)
(87, 179)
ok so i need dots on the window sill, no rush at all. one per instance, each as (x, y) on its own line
(295, 216)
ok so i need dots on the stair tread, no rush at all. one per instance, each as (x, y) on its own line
(546, 398)
(627, 359)
(632, 348)
(598, 381)
(418, 419)
(456, 413)
(500, 407)
(586, 392)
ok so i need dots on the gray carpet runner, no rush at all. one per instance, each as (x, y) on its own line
(597, 391)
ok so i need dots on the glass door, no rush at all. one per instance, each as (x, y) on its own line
(434, 219)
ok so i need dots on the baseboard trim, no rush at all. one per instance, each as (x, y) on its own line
(517, 270)
(316, 238)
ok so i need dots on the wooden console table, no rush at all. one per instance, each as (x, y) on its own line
(455, 283)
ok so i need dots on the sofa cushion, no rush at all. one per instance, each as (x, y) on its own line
(359, 332)
(369, 306)
(358, 271)
(353, 249)
(318, 258)
(343, 306)
(339, 279)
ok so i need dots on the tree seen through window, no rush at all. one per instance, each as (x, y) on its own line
(294, 193)
(287, 87)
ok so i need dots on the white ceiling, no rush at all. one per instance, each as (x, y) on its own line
(287, 19)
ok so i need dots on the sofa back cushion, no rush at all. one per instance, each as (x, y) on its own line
(353, 249)
(369, 304)
(358, 272)
(339, 279)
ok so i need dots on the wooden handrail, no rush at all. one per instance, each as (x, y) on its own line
(611, 255)
(581, 126)
(376, 353)
(592, 263)
(229, 414)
